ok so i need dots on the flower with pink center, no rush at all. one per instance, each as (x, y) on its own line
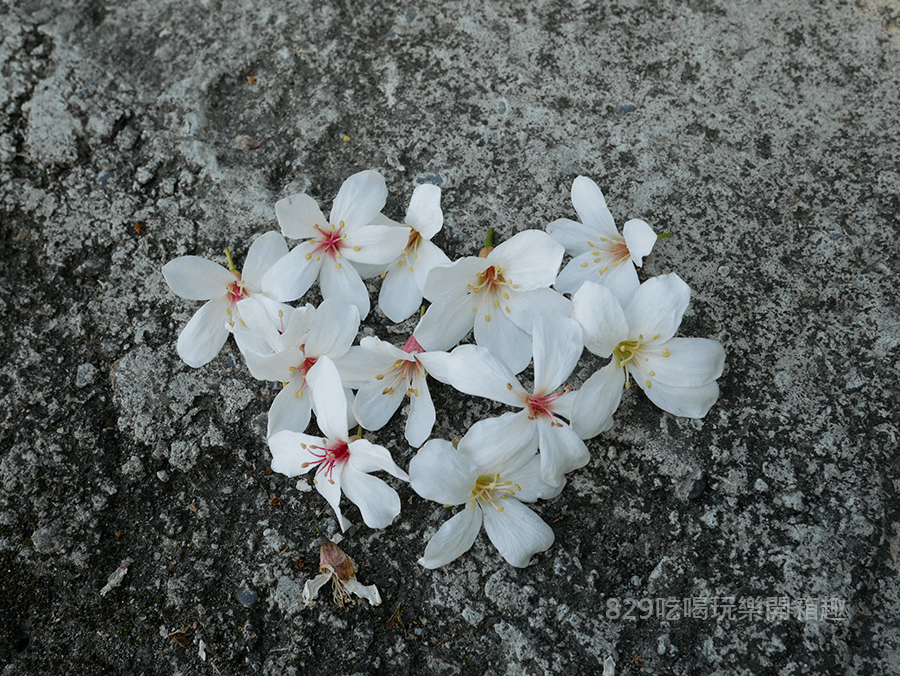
(404, 279)
(499, 294)
(296, 342)
(342, 463)
(492, 486)
(537, 426)
(600, 254)
(337, 250)
(197, 278)
(385, 376)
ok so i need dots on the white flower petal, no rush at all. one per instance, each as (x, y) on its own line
(344, 283)
(474, 370)
(263, 254)
(424, 212)
(333, 329)
(639, 238)
(561, 451)
(382, 351)
(293, 274)
(588, 200)
(526, 307)
(446, 322)
(688, 402)
(197, 278)
(421, 413)
(563, 405)
(359, 200)
(368, 457)
(622, 280)
(358, 367)
(312, 587)
(657, 307)
(574, 236)
(454, 538)
(378, 244)
(440, 473)
(426, 258)
(601, 318)
(257, 319)
(496, 445)
(497, 332)
(369, 593)
(328, 397)
(366, 271)
(578, 271)
(517, 532)
(691, 362)
(330, 489)
(378, 503)
(249, 342)
(205, 334)
(298, 215)
(400, 295)
(557, 348)
(289, 411)
(274, 366)
(377, 401)
(453, 278)
(530, 259)
(597, 400)
(296, 324)
(530, 486)
(290, 453)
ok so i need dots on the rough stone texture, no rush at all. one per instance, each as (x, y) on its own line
(762, 134)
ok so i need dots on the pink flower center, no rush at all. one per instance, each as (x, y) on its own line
(541, 404)
(412, 346)
(303, 369)
(330, 455)
(236, 291)
(330, 242)
(610, 252)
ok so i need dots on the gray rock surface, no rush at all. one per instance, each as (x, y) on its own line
(762, 134)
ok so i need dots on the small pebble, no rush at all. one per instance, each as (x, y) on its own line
(86, 375)
(246, 597)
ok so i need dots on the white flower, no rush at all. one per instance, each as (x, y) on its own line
(307, 335)
(341, 462)
(597, 247)
(334, 245)
(404, 280)
(492, 492)
(677, 374)
(499, 294)
(474, 370)
(197, 278)
(384, 375)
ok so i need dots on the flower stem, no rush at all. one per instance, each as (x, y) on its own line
(231, 265)
(489, 242)
(664, 235)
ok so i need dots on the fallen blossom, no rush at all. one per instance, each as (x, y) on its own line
(677, 374)
(600, 254)
(337, 567)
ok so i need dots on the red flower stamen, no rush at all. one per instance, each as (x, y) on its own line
(331, 242)
(328, 458)
(541, 404)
